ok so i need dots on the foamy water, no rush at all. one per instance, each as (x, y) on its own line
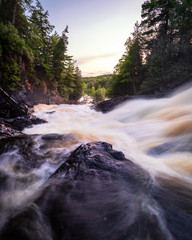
(135, 128)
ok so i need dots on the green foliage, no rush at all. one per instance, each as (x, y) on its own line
(100, 94)
(13, 53)
(31, 54)
(129, 71)
(158, 56)
(92, 84)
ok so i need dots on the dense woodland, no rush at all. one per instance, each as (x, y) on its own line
(98, 87)
(157, 57)
(32, 55)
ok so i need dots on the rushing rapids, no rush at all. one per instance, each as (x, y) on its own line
(97, 193)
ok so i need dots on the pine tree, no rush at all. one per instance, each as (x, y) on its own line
(128, 72)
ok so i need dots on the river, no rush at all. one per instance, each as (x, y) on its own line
(156, 134)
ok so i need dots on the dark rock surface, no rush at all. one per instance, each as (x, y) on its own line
(174, 146)
(23, 96)
(29, 155)
(99, 194)
(110, 104)
(6, 131)
(14, 115)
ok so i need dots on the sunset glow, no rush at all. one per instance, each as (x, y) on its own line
(98, 30)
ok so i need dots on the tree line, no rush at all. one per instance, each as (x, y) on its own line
(98, 87)
(32, 55)
(158, 55)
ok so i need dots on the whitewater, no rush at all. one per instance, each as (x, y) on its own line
(154, 133)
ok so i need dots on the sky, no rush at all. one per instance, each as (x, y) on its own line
(98, 30)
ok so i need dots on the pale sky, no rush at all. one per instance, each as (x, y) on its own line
(98, 30)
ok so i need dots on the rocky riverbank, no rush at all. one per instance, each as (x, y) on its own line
(14, 115)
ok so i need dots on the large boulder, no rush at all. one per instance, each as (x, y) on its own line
(99, 194)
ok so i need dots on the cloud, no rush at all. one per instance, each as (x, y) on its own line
(88, 59)
(98, 73)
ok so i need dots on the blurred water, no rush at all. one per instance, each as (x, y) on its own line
(135, 128)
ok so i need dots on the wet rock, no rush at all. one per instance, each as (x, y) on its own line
(6, 131)
(9, 107)
(26, 156)
(176, 145)
(20, 123)
(14, 115)
(56, 137)
(51, 112)
(29, 225)
(96, 194)
(109, 105)
(99, 194)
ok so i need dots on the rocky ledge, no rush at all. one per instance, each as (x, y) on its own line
(14, 116)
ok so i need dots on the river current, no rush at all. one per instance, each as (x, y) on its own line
(156, 134)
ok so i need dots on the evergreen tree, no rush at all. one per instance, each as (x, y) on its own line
(78, 90)
(129, 71)
(59, 60)
(29, 51)
(13, 55)
(40, 41)
(160, 21)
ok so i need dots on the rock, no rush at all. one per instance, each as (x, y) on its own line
(10, 108)
(14, 115)
(173, 146)
(93, 195)
(109, 105)
(56, 137)
(23, 96)
(26, 155)
(6, 131)
(43, 96)
(99, 194)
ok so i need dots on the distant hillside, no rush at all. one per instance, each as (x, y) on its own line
(98, 87)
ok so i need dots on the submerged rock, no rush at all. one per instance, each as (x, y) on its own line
(173, 146)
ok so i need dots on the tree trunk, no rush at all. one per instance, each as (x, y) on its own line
(14, 12)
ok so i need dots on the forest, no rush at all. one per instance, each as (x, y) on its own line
(98, 87)
(32, 54)
(157, 57)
